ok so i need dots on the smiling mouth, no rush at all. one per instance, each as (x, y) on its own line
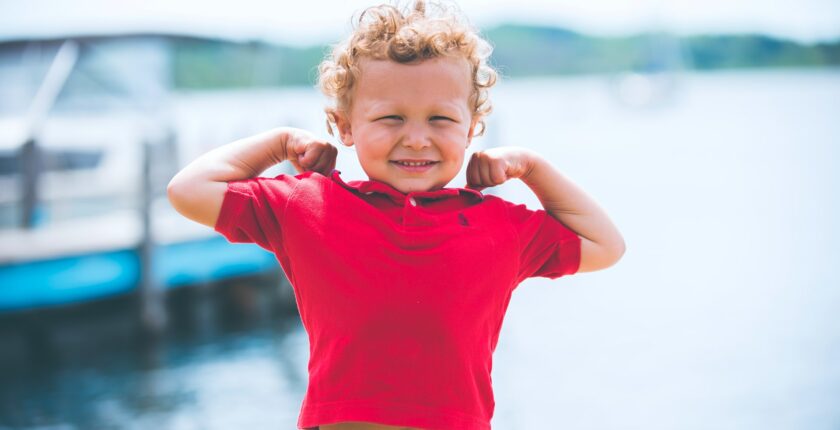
(413, 163)
(414, 167)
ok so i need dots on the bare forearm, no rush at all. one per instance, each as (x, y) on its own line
(241, 159)
(198, 190)
(601, 245)
(570, 205)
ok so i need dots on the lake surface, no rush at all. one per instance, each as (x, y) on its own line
(723, 314)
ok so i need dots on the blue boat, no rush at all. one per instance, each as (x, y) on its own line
(80, 278)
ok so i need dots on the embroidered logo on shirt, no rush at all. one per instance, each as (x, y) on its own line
(463, 219)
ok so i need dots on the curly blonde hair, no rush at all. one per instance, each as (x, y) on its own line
(385, 32)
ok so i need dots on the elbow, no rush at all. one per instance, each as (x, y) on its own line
(176, 194)
(608, 259)
(615, 251)
(620, 249)
(599, 256)
(196, 198)
(172, 190)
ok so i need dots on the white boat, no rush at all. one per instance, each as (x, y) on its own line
(80, 216)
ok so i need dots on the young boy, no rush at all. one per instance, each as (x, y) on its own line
(402, 284)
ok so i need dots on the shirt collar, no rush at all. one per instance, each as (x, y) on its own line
(371, 187)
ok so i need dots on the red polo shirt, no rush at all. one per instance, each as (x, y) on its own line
(402, 295)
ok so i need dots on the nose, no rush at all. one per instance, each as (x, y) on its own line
(416, 137)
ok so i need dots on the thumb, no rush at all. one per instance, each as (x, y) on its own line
(305, 157)
(295, 153)
(294, 149)
(310, 155)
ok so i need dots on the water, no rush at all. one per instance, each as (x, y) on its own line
(722, 314)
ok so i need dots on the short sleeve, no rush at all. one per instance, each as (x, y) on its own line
(252, 210)
(547, 248)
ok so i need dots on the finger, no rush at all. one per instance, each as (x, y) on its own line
(318, 164)
(330, 158)
(473, 177)
(322, 165)
(484, 173)
(333, 158)
(315, 159)
(309, 158)
(497, 172)
(468, 171)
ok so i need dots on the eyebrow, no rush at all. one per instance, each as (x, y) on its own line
(448, 107)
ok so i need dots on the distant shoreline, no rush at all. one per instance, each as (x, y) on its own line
(519, 51)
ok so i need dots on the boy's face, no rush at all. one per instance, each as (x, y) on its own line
(411, 123)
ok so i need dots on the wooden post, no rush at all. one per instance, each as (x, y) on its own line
(30, 162)
(153, 316)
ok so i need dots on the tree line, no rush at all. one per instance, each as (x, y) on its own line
(519, 50)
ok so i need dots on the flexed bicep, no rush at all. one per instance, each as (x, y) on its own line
(594, 256)
(198, 200)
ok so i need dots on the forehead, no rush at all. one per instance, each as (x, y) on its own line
(442, 78)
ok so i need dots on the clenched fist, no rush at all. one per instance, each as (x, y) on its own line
(495, 166)
(308, 153)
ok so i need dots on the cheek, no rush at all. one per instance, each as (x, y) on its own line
(456, 141)
(456, 132)
(372, 140)
(371, 153)
(375, 138)
(366, 155)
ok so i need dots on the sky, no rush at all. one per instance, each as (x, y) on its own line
(324, 21)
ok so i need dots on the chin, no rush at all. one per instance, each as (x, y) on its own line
(411, 188)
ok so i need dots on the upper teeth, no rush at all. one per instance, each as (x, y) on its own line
(414, 163)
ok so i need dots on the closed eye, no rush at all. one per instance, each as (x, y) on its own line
(391, 117)
(442, 118)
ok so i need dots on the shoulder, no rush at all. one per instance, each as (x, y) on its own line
(281, 182)
(513, 211)
(530, 222)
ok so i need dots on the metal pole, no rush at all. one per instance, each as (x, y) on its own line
(30, 156)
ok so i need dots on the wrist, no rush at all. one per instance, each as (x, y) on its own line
(279, 144)
(530, 162)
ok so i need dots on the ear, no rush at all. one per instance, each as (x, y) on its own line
(345, 131)
(472, 130)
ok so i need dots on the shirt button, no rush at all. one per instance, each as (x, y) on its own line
(412, 201)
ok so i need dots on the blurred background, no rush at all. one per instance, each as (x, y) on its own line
(709, 131)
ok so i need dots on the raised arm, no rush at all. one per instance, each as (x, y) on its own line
(601, 243)
(197, 191)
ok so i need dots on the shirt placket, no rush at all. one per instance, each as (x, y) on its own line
(410, 210)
